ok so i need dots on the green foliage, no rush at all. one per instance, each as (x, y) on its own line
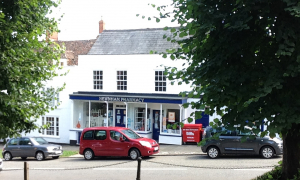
(276, 174)
(26, 63)
(246, 57)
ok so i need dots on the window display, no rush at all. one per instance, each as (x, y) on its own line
(140, 119)
(171, 123)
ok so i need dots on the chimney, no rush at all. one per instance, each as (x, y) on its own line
(101, 26)
(54, 36)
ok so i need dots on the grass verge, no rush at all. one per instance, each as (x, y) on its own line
(69, 153)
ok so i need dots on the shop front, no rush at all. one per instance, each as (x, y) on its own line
(156, 116)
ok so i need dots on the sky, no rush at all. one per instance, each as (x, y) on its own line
(81, 17)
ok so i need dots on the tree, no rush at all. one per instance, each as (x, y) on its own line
(26, 63)
(245, 54)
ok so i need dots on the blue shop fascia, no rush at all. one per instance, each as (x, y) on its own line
(150, 115)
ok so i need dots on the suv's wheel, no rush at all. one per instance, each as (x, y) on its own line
(213, 152)
(88, 154)
(7, 156)
(267, 152)
(39, 156)
(134, 154)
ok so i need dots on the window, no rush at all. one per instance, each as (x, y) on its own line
(140, 123)
(160, 81)
(89, 135)
(24, 141)
(98, 79)
(54, 98)
(13, 142)
(53, 129)
(115, 135)
(100, 135)
(121, 80)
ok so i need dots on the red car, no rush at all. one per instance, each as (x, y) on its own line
(115, 141)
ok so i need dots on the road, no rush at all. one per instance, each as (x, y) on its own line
(154, 168)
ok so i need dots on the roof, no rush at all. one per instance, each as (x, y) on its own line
(134, 41)
(75, 48)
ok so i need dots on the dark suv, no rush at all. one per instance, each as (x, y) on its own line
(230, 142)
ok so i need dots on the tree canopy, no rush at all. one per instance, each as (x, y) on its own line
(26, 63)
(243, 61)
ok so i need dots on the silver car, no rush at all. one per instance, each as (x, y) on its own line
(25, 147)
(231, 143)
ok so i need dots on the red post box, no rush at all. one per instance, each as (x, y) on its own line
(191, 133)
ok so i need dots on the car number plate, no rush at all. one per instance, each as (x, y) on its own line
(156, 148)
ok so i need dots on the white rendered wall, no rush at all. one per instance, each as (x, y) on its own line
(140, 72)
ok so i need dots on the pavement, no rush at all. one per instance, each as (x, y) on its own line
(165, 149)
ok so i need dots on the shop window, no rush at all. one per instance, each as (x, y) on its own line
(97, 113)
(53, 129)
(160, 81)
(121, 80)
(140, 123)
(172, 121)
(98, 79)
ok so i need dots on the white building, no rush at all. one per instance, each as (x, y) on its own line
(119, 83)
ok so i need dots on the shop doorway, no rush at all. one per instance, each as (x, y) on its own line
(120, 117)
(156, 123)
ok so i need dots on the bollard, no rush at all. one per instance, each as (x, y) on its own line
(26, 171)
(138, 176)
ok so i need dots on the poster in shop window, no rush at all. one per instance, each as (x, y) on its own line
(164, 124)
(171, 116)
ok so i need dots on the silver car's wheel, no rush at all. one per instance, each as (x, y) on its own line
(134, 154)
(7, 156)
(267, 152)
(39, 156)
(213, 152)
(88, 154)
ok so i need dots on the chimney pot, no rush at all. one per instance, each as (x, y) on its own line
(54, 36)
(101, 26)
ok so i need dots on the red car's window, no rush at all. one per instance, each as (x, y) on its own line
(89, 135)
(100, 134)
(115, 135)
